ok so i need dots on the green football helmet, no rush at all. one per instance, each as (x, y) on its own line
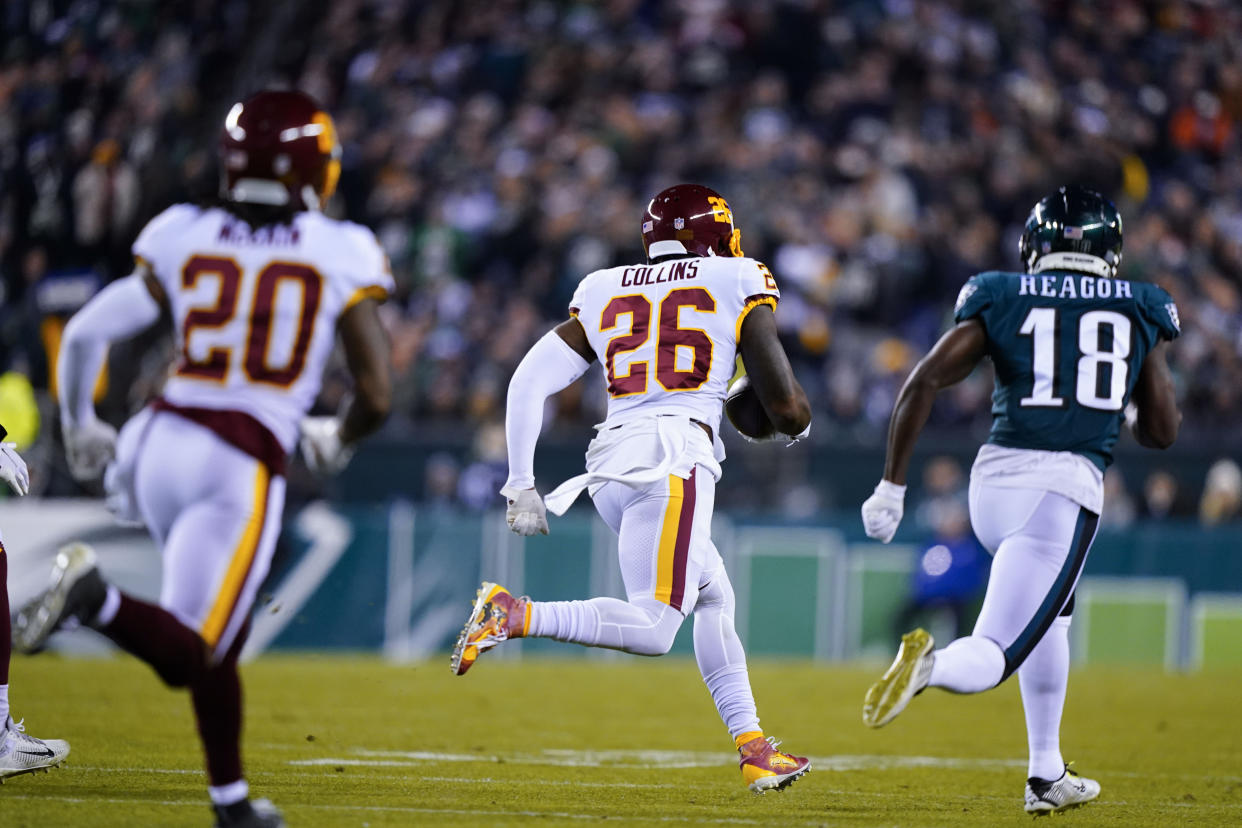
(1074, 229)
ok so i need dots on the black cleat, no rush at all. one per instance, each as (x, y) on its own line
(256, 813)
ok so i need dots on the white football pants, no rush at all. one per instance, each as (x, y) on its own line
(670, 568)
(1040, 542)
(215, 511)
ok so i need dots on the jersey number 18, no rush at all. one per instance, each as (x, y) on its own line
(1095, 350)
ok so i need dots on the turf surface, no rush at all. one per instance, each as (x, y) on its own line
(356, 742)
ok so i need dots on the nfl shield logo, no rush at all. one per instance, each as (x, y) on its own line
(1073, 232)
(679, 224)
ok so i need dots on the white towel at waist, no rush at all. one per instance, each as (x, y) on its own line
(639, 452)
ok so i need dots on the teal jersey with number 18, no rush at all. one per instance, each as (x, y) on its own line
(1067, 348)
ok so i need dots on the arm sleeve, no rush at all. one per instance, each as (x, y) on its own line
(120, 310)
(972, 300)
(548, 366)
(755, 286)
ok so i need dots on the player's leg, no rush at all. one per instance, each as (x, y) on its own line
(722, 663)
(19, 752)
(212, 594)
(653, 541)
(1041, 542)
(653, 547)
(1043, 677)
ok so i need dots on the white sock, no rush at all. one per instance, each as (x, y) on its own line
(230, 793)
(968, 665)
(1043, 678)
(4, 706)
(111, 606)
(607, 622)
(721, 659)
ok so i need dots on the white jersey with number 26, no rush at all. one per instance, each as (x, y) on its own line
(667, 333)
(255, 313)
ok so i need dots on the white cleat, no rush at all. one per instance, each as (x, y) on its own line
(21, 753)
(909, 673)
(75, 593)
(1070, 791)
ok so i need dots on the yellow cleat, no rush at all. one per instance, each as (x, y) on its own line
(905, 678)
(764, 768)
(497, 616)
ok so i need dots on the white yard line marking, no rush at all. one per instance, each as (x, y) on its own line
(647, 759)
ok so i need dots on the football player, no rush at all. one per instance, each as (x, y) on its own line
(258, 286)
(667, 332)
(19, 752)
(1077, 351)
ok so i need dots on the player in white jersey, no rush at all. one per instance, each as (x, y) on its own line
(19, 751)
(258, 287)
(667, 333)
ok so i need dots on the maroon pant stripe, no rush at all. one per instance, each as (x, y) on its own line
(681, 548)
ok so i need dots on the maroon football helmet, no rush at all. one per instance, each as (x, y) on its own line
(278, 147)
(698, 217)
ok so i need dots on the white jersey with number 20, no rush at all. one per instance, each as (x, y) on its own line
(667, 333)
(255, 313)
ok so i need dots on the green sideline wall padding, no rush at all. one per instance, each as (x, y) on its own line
(1129, 621)
(1216, 631)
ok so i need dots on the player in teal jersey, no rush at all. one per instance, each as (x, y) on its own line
(1076, 352)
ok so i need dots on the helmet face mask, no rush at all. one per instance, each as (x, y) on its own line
(690, 218)
(279, 148)
(1074, 229)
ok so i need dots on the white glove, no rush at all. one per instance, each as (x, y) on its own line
(881, 513)
(526, 514)
(89, 447)
(13, 469)
(779, 437)
(321, 445)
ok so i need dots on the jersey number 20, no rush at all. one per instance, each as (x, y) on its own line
(215, 364)
(1095, 353)
(669, 338)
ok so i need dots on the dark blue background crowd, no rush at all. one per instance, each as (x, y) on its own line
(876, 154)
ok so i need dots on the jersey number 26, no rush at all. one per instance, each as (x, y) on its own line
(669, 338)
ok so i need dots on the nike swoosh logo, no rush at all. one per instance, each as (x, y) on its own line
(46, 753)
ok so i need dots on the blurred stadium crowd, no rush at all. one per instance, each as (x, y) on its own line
(875, 154)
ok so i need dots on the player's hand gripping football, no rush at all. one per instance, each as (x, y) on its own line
(321, 445)
(13, 469)
(526, 514)
(89, 447)
(881, 513)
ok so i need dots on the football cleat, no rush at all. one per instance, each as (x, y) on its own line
(1070, 791)
(497, 616)
(74, 598)
(22, 753)
(764, 768)
(904, 679)
(249, 813)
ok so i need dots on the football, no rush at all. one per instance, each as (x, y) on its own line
(744, 410)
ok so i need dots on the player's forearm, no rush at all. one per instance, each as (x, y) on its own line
(120, 310)
(1157, 428)
(914, 405)
(367, 411)
(549, 366)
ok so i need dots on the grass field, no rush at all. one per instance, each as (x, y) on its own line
(356, 742)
